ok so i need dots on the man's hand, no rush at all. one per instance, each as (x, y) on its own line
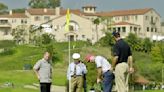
(131, 70)
(99, 80)
(38, 77)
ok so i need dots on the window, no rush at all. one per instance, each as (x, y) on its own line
(156, 19)
(136, 17)
(6, 32)
(131, 29)
(14, 21)
(125, 17)
(37, 18)
(151, 29)
(147, 29)
(90, 8)
(155, 29)
(46, 18)
(23, 21)
(151, 19)
(123, 29)
(135, 29)
(146, 18)
(83, 36)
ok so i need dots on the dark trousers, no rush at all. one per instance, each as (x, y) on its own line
(45, 87)
(108, 78)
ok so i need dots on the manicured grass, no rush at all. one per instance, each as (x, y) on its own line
(11, 65)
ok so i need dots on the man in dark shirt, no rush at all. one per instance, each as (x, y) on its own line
(122, 62)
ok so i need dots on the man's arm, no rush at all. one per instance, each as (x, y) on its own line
(36, 69)
(99, 74)
(37, 73)
(130, 62)
(114, 61)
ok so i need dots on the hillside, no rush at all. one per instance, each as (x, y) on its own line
(12, 64)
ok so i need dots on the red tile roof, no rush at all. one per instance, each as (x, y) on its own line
(76, 11)
(41, 11)
(124, 23)
(125, 12)
(14, 15)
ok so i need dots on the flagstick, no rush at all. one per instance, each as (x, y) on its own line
(69, 55)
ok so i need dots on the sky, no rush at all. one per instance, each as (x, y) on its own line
(102, 5)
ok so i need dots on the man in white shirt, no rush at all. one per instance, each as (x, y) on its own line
(75, 73)
(103, 69)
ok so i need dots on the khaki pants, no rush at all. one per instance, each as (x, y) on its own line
(76, 84)
(121, 72)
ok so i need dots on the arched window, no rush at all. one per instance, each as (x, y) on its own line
(73, 26)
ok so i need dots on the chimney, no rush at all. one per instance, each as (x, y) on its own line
(45, 10)
(10, 12)
(57, 10)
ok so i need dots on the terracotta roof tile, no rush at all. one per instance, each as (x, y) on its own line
(14, 15)
(124, 12)
(76, 11)
(41, 11)
(124, 23)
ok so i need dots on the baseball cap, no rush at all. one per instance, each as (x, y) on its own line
(115, 33)
(89, 57)
(76, 56)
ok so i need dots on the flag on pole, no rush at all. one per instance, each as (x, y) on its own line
(67, 20)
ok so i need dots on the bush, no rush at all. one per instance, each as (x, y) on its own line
(107, 40)
(7, 51)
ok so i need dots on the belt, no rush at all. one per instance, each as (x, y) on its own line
(75, 76)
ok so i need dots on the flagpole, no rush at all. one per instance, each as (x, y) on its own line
(69, 42)
(69, 54)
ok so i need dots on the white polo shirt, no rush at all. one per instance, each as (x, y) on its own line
(80, 69)
(103, 63)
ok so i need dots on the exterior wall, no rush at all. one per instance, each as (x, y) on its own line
(162, 30)
(153, 24)
(84, 31)
(5, 34)
(133, 19)
(18, 21)
(143, 22)
(85, 28)
(42, 19)
(128, 29)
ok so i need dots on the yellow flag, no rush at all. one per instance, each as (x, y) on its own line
(67, 20)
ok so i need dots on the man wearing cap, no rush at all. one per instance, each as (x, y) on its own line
(122, 62)
(43, 70)
(103, 70)
(75, 73)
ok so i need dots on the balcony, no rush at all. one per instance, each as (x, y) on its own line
(152, 23)
(5, 24)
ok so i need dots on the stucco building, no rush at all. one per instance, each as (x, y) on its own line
(143, 22)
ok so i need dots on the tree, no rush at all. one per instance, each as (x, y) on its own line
(22, 10)
(3, 7)
(19, 34)
(107, 40)
(157, 53)
(147, 45)
(44, 3)
(54, 3)
(107, 21)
